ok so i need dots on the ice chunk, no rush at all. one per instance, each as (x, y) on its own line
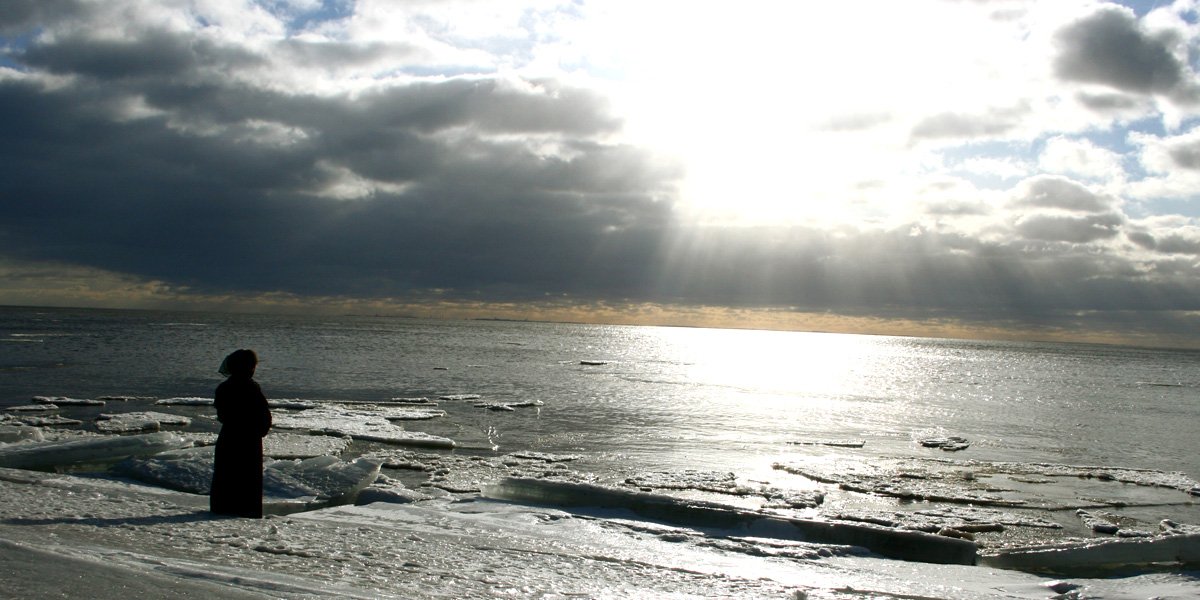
(331, 479)
(390, 491)
(40, 455)
(138, 421)
(1098, 521)
(187, 470)
(904, 545)
(291, 445)
(125, 398)
(313, 482)
(17, 433)
(64, 401)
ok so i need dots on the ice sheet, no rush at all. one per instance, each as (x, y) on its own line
(40, 455)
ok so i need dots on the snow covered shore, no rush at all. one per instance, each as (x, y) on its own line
(100, 537)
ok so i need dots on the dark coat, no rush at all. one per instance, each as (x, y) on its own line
(238, 473)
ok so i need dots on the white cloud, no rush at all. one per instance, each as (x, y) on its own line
(1081, 158)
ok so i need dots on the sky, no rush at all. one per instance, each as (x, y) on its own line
(1004, 169)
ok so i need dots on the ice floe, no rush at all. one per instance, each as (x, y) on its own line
(944, 521)
(952, 443)
(899, 480)
(892, 543)
(508, 406)
(291, 445)
(39, 420)
(468, 474)
(138, 421)
(26, 408)
(1087, 555)
(188, 401)
(295, 404)
(457, 397)
(390, 491)
(832, 443)
(359, 424)
(1001, 484)
(64, 401)
(50, 454)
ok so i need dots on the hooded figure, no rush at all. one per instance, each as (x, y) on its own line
(245, 420)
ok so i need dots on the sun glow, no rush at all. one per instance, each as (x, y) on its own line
(823, 104)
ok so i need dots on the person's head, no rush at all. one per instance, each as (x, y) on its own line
(240, 363)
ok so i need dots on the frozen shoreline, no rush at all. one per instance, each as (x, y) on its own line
(450, 547)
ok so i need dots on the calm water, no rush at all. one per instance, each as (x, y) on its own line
(665, 397)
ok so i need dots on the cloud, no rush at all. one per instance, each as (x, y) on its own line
(421, 154)
(1081, 158)
(1110, 47)
(1051, 191)
(1065, 228)
(993, 123)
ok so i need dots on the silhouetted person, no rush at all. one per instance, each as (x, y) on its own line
(245, 420)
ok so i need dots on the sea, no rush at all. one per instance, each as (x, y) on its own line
(632, 401)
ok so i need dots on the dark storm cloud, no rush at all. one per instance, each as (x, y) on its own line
(20, 15)
(217, 214)
(1110, 47)
(1185, 155)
